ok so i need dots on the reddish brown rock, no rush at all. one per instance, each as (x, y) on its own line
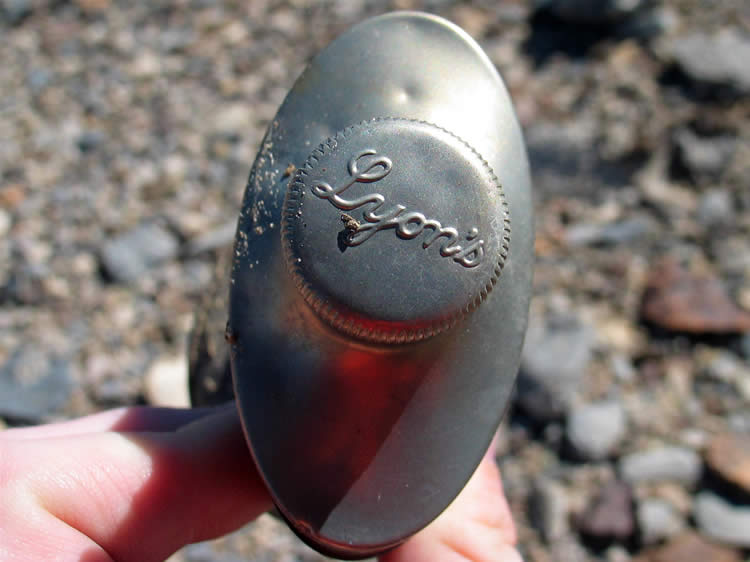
(93, 6)
(689, 547)
(609, 517)
(729, 455)
(681, 301)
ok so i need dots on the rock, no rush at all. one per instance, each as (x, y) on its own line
(568, 549)
(89, 140)
(166, 382)
(703, 158)
(718, 60)
(722, 522)
(146, 65)
(675, 495)
(215, 239)
(745, 346)
(92, 6)
(623, 368)
(592, 12)
(38, 79)
(680, 301)
(690, 547)
(722, 365)
(34, 385)
(622, 232)
(648, 23)
(548, 509)
(675, 464)
(728, 455)
(658, 520)
(116, 391)
(128, 256)
(562, 156)
(732, 254)
(554, 360)
(233, 118)
(5, 222)
(716, 208)
(739, 422)
(609, 517)
(594, 430)
(173, 170)
(15, 11)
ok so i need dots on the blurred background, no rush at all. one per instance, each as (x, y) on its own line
(127, 131)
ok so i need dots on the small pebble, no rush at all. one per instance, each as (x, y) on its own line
(676, 464)
(594, 430)
(721, 521)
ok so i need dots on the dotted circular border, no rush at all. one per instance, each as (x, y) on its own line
(350, 323)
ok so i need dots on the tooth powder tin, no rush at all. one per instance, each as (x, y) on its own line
(380, 282)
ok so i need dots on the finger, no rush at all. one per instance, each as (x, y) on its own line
(477, 526)
(136, 418)
(141, 496)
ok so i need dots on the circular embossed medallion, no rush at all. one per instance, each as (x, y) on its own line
(394, 229)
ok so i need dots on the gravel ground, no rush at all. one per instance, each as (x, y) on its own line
(128, 130)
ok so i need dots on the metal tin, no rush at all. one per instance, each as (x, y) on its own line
(380, 282)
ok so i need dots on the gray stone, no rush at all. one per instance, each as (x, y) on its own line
(658, 520)
(594, 430)
(612, 234)
(623, 368)
(562, 156)
(554, 360)
(675, 464)
(15, 11)
(721, 521)
(703, 157)
(592, 11)
(128, 256)
(214, 239)
(568, 549)
(34, 385)
(715, 208)
(649, 23)
(89, 141)
(745, 346)
(725, 366)
(38, 79)
(739, 422)
(715, 60)
(732, 254)
(548, 509)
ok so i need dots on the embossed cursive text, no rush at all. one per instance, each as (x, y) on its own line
(408, 225)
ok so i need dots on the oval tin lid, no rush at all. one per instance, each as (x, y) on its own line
(371, 362)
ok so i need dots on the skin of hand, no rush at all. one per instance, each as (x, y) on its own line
(137, 484)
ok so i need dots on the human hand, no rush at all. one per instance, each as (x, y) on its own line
(136, 484)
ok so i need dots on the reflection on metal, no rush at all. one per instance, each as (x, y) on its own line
(371, 370)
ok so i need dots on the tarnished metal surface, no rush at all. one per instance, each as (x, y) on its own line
(380, 282)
